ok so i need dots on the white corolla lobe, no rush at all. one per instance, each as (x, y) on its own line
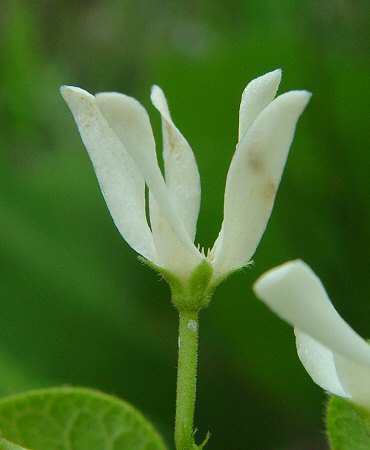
(335, 356)
(117, 133)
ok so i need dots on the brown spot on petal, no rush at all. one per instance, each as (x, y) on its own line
(269, 190)
(255, 161)
(173, 142)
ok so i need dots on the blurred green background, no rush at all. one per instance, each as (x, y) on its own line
(76, 306)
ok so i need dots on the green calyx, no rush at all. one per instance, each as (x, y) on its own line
(193, 295)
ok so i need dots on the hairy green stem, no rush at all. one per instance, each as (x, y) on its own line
(186, 379)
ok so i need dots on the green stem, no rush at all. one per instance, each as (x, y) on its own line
(186, 379)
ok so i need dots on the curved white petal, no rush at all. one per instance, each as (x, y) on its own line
(170, 252)
(318, 360)
(130, 122)
(297, 295)
(120, 181)
(181, 170)
(253, 178)
(355, 379)
(256, 96)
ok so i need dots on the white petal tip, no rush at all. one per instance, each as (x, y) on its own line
(115, 105)
(270, 77)
(157, 96)
(294, 101)
(115, 96)
(277, 74)
(159, 102)
(155, 90)
(72, 92)
(302, 95)
(65, 89)
(274, 73)
(267, 282)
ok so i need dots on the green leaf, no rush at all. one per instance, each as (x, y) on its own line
(82, 419)
(348, 425)
(6, 445)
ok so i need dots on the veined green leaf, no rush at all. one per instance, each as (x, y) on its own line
(66, 418)
(348, 426)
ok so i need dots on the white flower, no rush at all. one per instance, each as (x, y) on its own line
(118, 136)
(334, 355)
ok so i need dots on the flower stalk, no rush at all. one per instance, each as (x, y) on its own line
(186, 378)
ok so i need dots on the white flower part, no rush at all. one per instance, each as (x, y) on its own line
(130, 122)
(256, 96)
(334, 355)
(181, 170)
(355, 379)
(254, 177)
(120, 181)
(117, 133)
(170, 252)
(318, 360)
(183, 183)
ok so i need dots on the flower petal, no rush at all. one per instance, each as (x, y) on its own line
(297, 295)
(318, 360)
(256, 96)
(130, 123)
(254, 177)
(120, 181)
(181, 170)
(355, 378)
(170, 251)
